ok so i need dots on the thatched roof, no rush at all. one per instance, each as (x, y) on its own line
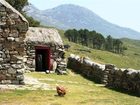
(43, 35)
(7, 5)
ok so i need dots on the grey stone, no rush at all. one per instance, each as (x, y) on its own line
(10, 38)
(11, 71)
(14, 16)
(6, 66)
(6, 51)
(17, 66)
(3, 55)
(1, 46)
(19, 62)
(1, 59)
(14, 34)
(33, 63)
(6, 81)
(24, 60)
(1, 52)
(2, 9)
(15, 82)
(20, 71)
(17, 39)
(20, 77)
(13, 52)
(1, 67)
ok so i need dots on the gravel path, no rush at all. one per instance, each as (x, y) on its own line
(30, 84)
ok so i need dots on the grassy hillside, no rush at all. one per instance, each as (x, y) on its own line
(130, 59)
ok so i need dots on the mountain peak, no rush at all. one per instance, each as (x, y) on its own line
(69, 16)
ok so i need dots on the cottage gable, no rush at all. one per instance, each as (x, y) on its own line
(13, 27)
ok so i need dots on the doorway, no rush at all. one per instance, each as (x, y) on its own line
(42, 58)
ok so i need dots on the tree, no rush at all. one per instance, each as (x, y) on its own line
(32, 22)
(18, 4)
(95, 40)
(98, 40)
(117, 44)
(109, 43)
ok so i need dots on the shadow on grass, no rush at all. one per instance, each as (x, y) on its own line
(98, 81)
(131, 93)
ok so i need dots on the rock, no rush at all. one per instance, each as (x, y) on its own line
(6, 81)
(87, 62)
(11, 71)
(24, 60)
(20, 71)
(109, 66)
(15, 82)
(54, 66)
(3, 55)
(1, 60)
(20, 77)
(19, 62)
(17, 66)
(1, 67)
(10, 38)
(33, 63)
(17, 39)
(13, 53)
(2, 77)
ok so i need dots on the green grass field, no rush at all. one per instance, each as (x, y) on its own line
(80, 91)
(130, 59)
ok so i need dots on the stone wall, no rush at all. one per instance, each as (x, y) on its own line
(29, 59)
(13, 28)
(87, 68)
(127, 79)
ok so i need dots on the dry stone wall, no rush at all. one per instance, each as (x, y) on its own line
(111, 76)
(87, 68)
(56, 55)
(13, 28)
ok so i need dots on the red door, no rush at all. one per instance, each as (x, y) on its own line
(42, 58)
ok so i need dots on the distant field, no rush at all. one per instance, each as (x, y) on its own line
(130, 59)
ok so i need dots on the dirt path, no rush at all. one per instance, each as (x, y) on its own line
(30, 84)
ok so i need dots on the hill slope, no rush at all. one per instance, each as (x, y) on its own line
(71, 16)
(130, 59)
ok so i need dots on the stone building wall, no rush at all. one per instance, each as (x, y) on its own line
(13, 27)
(48, 37)
(29, 59)
(111, 76)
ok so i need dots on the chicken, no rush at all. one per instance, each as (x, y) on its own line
(61, 90)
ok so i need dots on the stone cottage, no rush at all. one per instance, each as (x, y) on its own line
(43, 47)
(13, 28)
(23, 48)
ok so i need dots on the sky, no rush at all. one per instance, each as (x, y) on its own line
(124, 13)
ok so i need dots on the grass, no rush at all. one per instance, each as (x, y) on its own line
(130, 59)
(80, 91)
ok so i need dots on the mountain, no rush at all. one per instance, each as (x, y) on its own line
(70, 16)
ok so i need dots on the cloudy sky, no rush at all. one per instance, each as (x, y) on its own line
(121, 12)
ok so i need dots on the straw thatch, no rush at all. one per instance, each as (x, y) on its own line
(43, 35)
